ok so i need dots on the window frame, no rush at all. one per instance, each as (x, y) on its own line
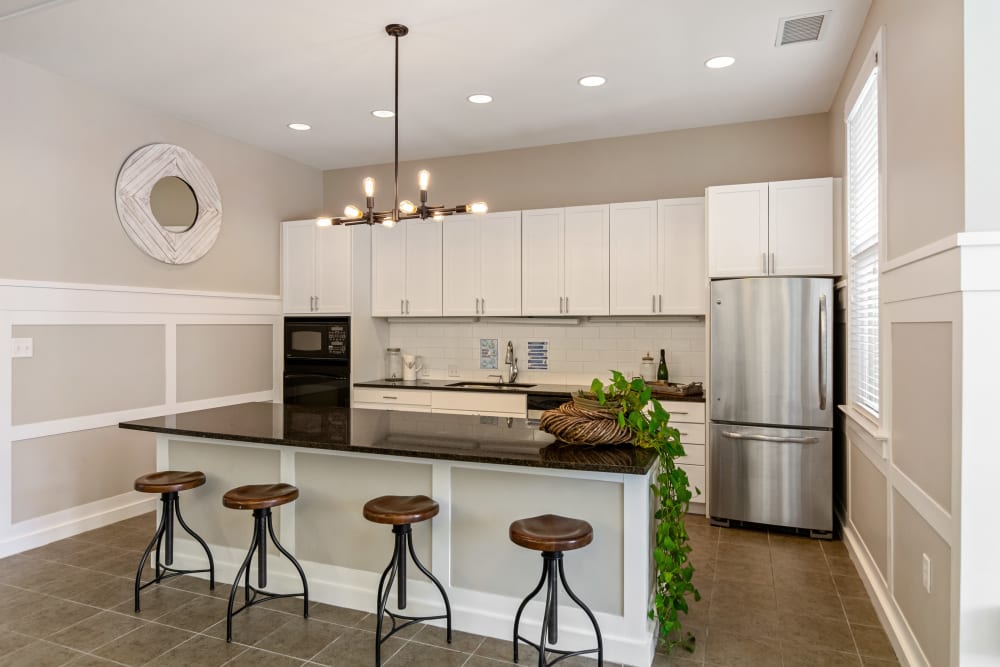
(874, 58)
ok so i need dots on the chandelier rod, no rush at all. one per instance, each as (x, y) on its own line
(395, 118)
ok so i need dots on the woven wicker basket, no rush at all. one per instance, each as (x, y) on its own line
(575, 425)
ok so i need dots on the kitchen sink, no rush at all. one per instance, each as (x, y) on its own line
(494, 386)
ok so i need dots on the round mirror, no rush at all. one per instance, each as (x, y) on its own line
(174, 204)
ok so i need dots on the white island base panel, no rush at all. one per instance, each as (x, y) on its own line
(466, 546)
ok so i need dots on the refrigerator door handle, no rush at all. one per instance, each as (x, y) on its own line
(808, 440)
(822, 352)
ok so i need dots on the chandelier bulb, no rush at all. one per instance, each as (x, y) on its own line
(477, 207)
(324, 222)
(437, 217)
(352, 211)
(389, 222)
(424, 178)
(369, 187)
(407, 207)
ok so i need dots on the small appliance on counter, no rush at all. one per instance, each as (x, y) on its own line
(317, 361)
(393, 364)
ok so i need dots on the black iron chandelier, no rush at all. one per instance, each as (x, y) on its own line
(401, 210)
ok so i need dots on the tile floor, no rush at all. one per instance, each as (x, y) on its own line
(768, 599)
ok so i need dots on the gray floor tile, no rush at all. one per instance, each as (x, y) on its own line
(38, 654)
(199, 650)
(95, 631)
(356, 648)
(143, 644)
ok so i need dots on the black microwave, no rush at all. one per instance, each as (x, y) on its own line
(315, 339)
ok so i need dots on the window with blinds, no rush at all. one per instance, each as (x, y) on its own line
(863, 247)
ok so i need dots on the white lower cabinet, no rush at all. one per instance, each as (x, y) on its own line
(487, 404)
(689, 419)
(404, 400)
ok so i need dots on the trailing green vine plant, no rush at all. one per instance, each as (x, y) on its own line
(642, 414)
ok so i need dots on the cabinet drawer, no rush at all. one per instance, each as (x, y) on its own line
(691, 434)
(483, 403)
(390, 397)
(684, 411)
(696, 480)
(695, 455)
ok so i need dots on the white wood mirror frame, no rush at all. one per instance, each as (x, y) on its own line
(142, 170)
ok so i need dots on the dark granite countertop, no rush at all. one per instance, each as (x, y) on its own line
(536, 389)
(471, 438)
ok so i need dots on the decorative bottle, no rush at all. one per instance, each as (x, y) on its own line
(661, 371)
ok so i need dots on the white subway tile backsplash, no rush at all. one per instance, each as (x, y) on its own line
(577, 353)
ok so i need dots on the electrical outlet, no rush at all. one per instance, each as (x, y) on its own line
(453, 371)
(21, 348)
(927, 573)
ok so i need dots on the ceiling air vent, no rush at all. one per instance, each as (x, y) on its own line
(795, 29)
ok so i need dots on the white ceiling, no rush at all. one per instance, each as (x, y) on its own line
(246, 68)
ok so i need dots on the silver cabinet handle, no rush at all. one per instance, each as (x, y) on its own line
(389, 398)
(477, 305)
(484, 305)
(808, 440)
(401, 311)
(678, 412)
(407, 306)
(661, 303)
(567, 305)
(654, 303)
(822, 352)
(560, 304)
(772, 262)
(763, 263)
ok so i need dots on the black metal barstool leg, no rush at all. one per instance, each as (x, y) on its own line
(383, 599)
(524, 603)
(302, 574)
(434, 580)
(208, 552)
(260, 515)
(145, 557)
(401, 532)
(586, 610)
(168, 510)
(245, 567)
(545, 616)
(552, 616)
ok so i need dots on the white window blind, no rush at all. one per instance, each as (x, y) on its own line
(863, 247)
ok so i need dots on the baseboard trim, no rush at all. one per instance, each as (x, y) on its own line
(67, 523)
(898, 630)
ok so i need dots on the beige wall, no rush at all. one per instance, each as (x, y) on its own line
(240, 356)
(57, 472)
(666, 164)
(925, 125)
(87, 369)
(63, 144)
(869, 508)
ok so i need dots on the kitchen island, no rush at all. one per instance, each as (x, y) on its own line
(484, 471)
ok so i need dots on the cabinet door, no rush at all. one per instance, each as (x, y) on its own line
(587, 259)
(542, 261)
(737, 230)
(500, 263)
(333, 269)
(681, 249)
(633, 259)
(298, 259)
(388, 270)
(801, 227)
(423, 267)
(460, 267)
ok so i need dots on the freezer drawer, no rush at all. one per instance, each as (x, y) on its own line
(776, 476)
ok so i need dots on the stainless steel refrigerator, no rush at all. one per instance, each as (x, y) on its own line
(771, 406)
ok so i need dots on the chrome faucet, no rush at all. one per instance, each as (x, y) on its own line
(511, 361)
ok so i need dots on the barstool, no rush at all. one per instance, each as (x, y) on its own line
(552, 535)
(261, 498)
(169, 483)
(401, 512)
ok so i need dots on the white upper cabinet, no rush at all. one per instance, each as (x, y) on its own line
(681, 257)
(565, 261)
(761, 229)
(406, 269)
(482, 264)
(658, 257)
(315, 268)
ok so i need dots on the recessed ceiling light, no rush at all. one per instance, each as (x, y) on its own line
(480, 98)
(592, 81)
(301, 127)
(718, 62)
(383, 113)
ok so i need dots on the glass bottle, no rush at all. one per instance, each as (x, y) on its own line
(661, 371)
(393, 364)
(648, 368)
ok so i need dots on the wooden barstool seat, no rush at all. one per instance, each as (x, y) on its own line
(169, 484)
(398, 510)
(552, 535)
(401, 512)
(169, 481)
(550, 532)
(259, 496)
